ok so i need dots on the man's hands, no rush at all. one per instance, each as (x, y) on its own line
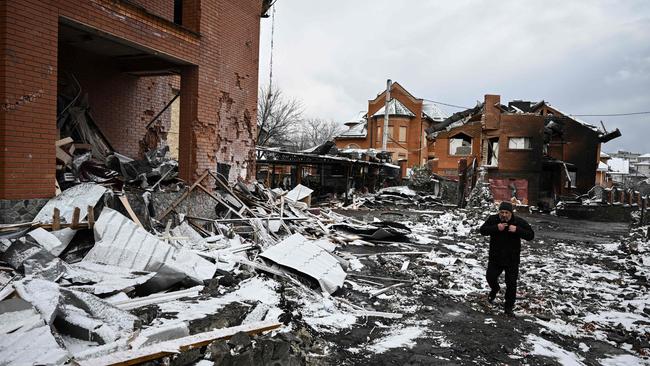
(504, 225)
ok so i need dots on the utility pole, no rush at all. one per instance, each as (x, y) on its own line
(386, 113)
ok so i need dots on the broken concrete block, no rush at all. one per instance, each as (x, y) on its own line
(120, 242)
(305, 256)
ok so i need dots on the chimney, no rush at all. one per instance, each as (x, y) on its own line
(491, 112)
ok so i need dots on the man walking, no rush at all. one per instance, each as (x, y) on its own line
(506, 231)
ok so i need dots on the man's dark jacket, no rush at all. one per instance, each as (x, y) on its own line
(504, 245)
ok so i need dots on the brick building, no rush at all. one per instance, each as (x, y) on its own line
(129, 58)
(532, 151)
(408, 118)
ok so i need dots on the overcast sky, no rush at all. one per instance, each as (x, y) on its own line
(583, 57)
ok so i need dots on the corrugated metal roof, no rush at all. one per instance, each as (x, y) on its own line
(82, 196)
(395, 107)
(305, 256)
(358, 130)
(433, 111)
(120, 242)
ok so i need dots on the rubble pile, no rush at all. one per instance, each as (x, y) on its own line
(397, 197)
(262, 278)
(95, 282)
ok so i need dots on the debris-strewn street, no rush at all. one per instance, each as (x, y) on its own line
(364, 286)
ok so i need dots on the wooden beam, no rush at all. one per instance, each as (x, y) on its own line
(127, 206)
(172, 347)
(64, 141)
(56, 219)
(75, 218)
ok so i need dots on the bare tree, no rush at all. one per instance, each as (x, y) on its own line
(315, 131)
(277, 117)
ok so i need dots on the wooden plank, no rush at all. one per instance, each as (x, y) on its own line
(63, 156)
(64, 141)
(380, 278)
(386, 289)
(91, 217)
(391, 253)
(57, 189)
(184, 344)
(75, 218)
(56, 219)
(127, 206)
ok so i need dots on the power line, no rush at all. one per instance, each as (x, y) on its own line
(447, 104)
(574, 115)
(609, 114)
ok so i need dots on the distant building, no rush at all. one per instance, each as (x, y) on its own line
(408, 118)
(533, 151)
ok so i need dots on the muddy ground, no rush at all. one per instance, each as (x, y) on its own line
(461, 327)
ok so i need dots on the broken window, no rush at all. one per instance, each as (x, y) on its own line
(402, 134)
(519, 143)
(493, 152)
(390, 133)
(178, 12)
(460, 144)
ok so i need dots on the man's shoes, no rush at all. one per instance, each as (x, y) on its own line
(492, 296)
(507, 311)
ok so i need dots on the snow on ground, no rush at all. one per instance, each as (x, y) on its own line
(623, 360)
(400, 337)
(543, 347)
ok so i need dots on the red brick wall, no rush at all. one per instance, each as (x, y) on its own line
(414, 148)
(448, 164)
(218, 109)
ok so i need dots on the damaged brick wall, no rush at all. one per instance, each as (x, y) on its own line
(227, 115)
(220, 63)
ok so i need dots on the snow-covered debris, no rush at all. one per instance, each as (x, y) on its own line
(80, 196)
(401, 337)
(305, 256)
(120, 242)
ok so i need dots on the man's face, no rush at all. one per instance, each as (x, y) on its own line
(505, 215)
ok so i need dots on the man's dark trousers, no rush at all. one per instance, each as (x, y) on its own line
(512, 272)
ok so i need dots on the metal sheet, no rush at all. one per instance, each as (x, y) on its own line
(82, 196)
(101, 279)
(48, 241)
(300, 192)
(120, 242)
(305, 256)
(34, 347)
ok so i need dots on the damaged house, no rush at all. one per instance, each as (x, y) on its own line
(532, 151)
(408, 118)
(115, 76)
